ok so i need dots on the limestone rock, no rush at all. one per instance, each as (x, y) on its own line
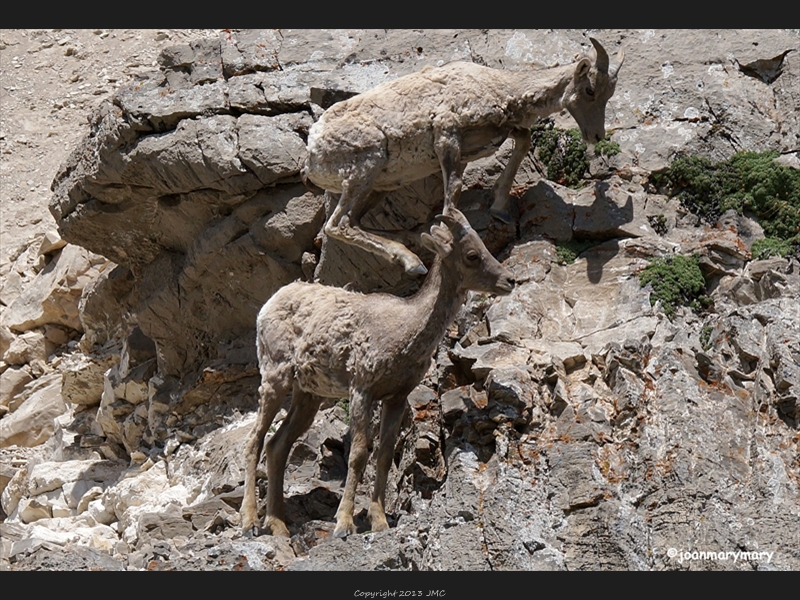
(83, 379)
(49, 476)
(33, 422)
(29, 347)
(14, 490)
(12, 381)
(53, 295)
(6, 338)
(253, 50)
(51, 243)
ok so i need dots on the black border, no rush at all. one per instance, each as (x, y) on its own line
(575, 14)
(360, 14)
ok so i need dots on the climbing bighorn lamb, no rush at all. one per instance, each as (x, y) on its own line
(316, 342)
(442, 118)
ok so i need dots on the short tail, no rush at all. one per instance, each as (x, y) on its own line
(313, 187)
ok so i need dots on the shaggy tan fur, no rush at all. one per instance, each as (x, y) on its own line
(316, 342)
(443, 118)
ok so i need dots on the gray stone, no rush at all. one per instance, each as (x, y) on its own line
(270, 147)
(250, 50)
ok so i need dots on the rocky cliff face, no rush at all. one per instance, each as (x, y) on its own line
(570, 425)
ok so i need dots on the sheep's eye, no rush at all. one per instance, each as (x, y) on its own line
(590, 91)
(473, 256)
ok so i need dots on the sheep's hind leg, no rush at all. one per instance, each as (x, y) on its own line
(502, 187)
(275, 384)
(447, 145)
(391, 418)
(301, 414)
(360, 412)
(343, 224)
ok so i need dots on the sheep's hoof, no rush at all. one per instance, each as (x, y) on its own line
(380, 526)
(251, 532)
(500, 214)
(278, 528)
(410, 262)
(418, 270)
(344, 531)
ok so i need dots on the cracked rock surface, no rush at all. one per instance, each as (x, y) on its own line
(568, 426)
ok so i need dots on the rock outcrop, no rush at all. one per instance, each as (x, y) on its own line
(570, 425)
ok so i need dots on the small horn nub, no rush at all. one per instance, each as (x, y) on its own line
(453, 216)
(602, 56)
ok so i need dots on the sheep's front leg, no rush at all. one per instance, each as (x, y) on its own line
(391, 417)
(360, 404)
(502, 187)
(447, 143)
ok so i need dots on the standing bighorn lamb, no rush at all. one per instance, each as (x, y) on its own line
(442, 118)
(316, 342)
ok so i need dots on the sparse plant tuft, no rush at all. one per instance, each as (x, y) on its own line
(771, 246)
(568, 252)
(606, 147)
(705, 337)
(658, 223)
(344, 404)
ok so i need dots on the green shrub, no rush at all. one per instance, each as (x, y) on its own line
(748, 181)
(562, 153)
(705, 337)
(606, 147)
(568, 252)
(676, 281)
(344, 404)
(771, 246)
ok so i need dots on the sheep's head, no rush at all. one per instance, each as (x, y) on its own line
(586, 96)
(461, 249)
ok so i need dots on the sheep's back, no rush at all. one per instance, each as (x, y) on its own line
(324, 331)
(393, 124)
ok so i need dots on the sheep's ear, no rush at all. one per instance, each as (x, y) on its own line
(582, 68)
(440, 240)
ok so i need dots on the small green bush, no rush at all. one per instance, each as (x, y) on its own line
(771, 246)
(344, 404)
(568, 252)
(606, 147)
(563, 153)
(705, 337)
(748, 181)
(676, 281)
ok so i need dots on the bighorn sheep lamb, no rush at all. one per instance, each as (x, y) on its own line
(317, 341)
(442, 118)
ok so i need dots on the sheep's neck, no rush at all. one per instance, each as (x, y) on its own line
(433, 309)
(538, 93)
